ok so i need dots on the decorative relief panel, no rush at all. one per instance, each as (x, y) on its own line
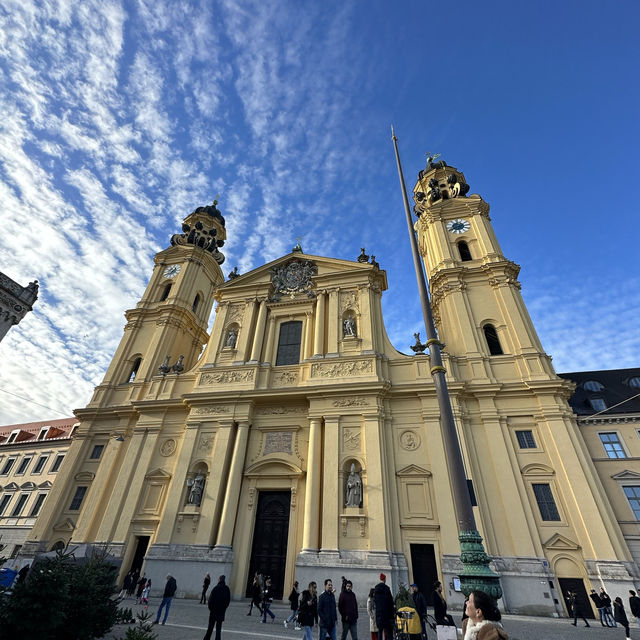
(409, 440)
(168, 447)
(226, 377)
(349, 300)
(279, 411)
(206, 442)
(278, 442)
(208, 411)
(284, 378)
(341, 369)
(351, 439)
(356, 401)
(235, 313)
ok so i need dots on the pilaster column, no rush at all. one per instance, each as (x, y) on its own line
(331, 491)
(332, 329)
(128, 468)
(367, 321)
(318, 341)
(230, 507)
(99, 487)
(376, 489)
(133, 489)
(271, 338)
(308, 336)
(245, 331)
(312, 488)
(258, 336)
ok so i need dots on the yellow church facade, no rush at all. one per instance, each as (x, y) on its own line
(295, 440)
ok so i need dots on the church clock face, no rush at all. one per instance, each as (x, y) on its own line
(172, 271)
(458, 226)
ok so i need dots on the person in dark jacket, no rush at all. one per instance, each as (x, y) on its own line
(576, 609)
(597, 602)
(205, 586)
(385, 609)
(634, 605)
(348, 608)
(256, 595)
(327, 614)
(620, 616)
(308, 611)
(608, 612)
(167, 596)
(219, 600)
(267, 599)
(142, 583)
(440, 606)
(294, 598)
(420, 604)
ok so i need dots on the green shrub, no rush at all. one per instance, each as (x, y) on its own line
(144, 629)
(403, 597)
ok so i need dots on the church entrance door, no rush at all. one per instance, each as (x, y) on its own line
(270, 533)
(425, 571)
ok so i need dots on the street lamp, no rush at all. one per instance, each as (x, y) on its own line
(476, 573)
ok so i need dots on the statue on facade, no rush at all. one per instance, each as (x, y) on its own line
(354, 488)
(197, 488)
(349, 327)
(232, 337)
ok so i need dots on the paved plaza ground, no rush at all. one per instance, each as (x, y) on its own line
(188, 621)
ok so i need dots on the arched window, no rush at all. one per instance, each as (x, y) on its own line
(289, 343)
(634, 382)
(134, 370)
(593, 385)
(196, 302)
(465, 253)
(165, 292)
(493, 342)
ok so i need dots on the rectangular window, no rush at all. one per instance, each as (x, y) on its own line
(597, 404)
(546, 503)
(38, 505)
(612, 445)
(289, 343)
(633, 495)
(22, 500)
(4, 502)
(43, 433)
(97, 452)
(56, 464)
(7, 466)
(23, 465)
(526, 439)
(42, 460)
(77, 499)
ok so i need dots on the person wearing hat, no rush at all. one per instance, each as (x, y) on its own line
(420, 604)
(383, 602)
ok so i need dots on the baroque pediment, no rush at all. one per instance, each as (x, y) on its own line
(627, 474)
(273, 468)
(415, 471)
(558, 542)
(85, 476)
(158, 474)
(12, 486)
(537, 469)
(66, 526)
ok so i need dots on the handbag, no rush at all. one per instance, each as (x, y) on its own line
(444, 632)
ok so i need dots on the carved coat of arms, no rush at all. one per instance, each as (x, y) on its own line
(293, 277)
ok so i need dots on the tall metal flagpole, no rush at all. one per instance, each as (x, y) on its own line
(476, 573)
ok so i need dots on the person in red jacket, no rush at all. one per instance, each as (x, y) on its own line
(348, 608)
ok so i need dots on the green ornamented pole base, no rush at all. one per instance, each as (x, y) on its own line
(476, 573)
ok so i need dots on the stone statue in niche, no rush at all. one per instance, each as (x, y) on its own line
(197, 488)
(354, 488)
(232, 338)
(349, 327)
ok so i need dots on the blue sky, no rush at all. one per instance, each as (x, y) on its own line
(119, 118)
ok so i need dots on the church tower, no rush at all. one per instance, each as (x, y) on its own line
(475, 291)
(168, 327)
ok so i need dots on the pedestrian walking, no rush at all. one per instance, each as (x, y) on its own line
(385, 609)
(634, 605)
(256, 595)
(267, 599)
(219, 600)
(348, 608)
(294, 598)
(420, 605)
(167, 596)
(205, 586)
(144, 598)
(440, 606)
(307, 611)
(371, 610)
(576, 609)
(483, 621)
(125, 585)
(606, 603)
(135, 576)
(327, 614)
(620, 616)
(142, 582)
